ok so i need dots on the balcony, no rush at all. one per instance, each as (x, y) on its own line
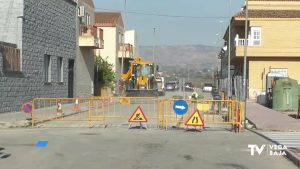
(89, 37)
(254, 47)
(126, 50)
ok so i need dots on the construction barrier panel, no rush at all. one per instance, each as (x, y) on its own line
(116, 111)
(215, 113)
(70, 110)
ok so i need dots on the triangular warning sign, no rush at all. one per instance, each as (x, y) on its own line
(195, 120)
(138, 116)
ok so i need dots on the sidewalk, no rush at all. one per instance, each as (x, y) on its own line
(266, 119)
(270, 120)
(13, 119)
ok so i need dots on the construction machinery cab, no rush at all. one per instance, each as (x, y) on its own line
(140, 79)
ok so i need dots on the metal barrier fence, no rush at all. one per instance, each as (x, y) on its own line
(66, 109)
(115, 111)
(215, 113)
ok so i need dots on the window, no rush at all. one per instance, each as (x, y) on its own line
(11, 58)
(47, 67)
(88, 19)
(256, 36)
(120, 41)
(60, 69)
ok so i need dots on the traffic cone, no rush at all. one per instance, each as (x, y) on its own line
(76, 105)
(59, 107)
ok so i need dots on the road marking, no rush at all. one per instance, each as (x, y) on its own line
(42, 143)
(289, 139)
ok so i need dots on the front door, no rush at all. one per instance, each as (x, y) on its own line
(71, 78)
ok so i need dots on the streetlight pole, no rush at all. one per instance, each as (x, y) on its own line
(188, 73)
(245, 61)
(154, 45)
(123, 46)
(123, 41)
(229, 55)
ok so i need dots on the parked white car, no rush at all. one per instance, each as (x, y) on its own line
(207, 87)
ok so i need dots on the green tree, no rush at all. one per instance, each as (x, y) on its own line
(104, 71)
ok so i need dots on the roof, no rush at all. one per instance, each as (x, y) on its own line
(108, 19)
(269, 14)
(89, 2)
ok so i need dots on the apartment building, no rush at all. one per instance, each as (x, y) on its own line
(273, 45)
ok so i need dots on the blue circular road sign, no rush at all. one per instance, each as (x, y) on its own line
(180, 107)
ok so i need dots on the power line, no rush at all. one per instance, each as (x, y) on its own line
(165, 15)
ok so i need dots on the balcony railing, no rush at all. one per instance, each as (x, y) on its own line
(126, 50)
(88, 30)
(91, 37)
(249, 42)
(241, 42)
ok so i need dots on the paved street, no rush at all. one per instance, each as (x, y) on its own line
(133, 149)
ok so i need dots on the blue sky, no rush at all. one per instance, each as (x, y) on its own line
(201, 29)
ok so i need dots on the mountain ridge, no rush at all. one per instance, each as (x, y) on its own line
(199, 56)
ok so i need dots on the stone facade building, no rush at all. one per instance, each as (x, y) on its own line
(37, 50)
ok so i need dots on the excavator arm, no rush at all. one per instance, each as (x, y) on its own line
(128, 75)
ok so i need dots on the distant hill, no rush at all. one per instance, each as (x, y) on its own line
(196, 56)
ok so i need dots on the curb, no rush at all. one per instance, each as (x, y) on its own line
(289, 154)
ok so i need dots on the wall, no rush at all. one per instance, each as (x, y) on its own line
(48, 28)
(256, 71)
(110, 46)
(11, 21)
(111, 50)
(279, 38)
(84, 64)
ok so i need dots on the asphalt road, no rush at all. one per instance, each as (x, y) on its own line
(118, 148)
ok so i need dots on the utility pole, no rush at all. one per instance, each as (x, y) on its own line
(188, 73)
(221, 27)
(245, 61)
(154, 45)
(229, 55)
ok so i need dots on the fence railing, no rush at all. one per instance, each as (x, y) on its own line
(115, 111)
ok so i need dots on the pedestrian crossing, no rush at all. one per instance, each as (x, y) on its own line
(289, 139)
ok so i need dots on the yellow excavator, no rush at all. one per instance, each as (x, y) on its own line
(140, 80)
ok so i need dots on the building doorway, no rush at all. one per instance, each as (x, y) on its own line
(71, 79)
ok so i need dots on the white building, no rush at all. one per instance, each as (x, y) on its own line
(112, 25)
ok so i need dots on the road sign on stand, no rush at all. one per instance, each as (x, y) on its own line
(195, 120)
(180, 107)
(138, 116)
